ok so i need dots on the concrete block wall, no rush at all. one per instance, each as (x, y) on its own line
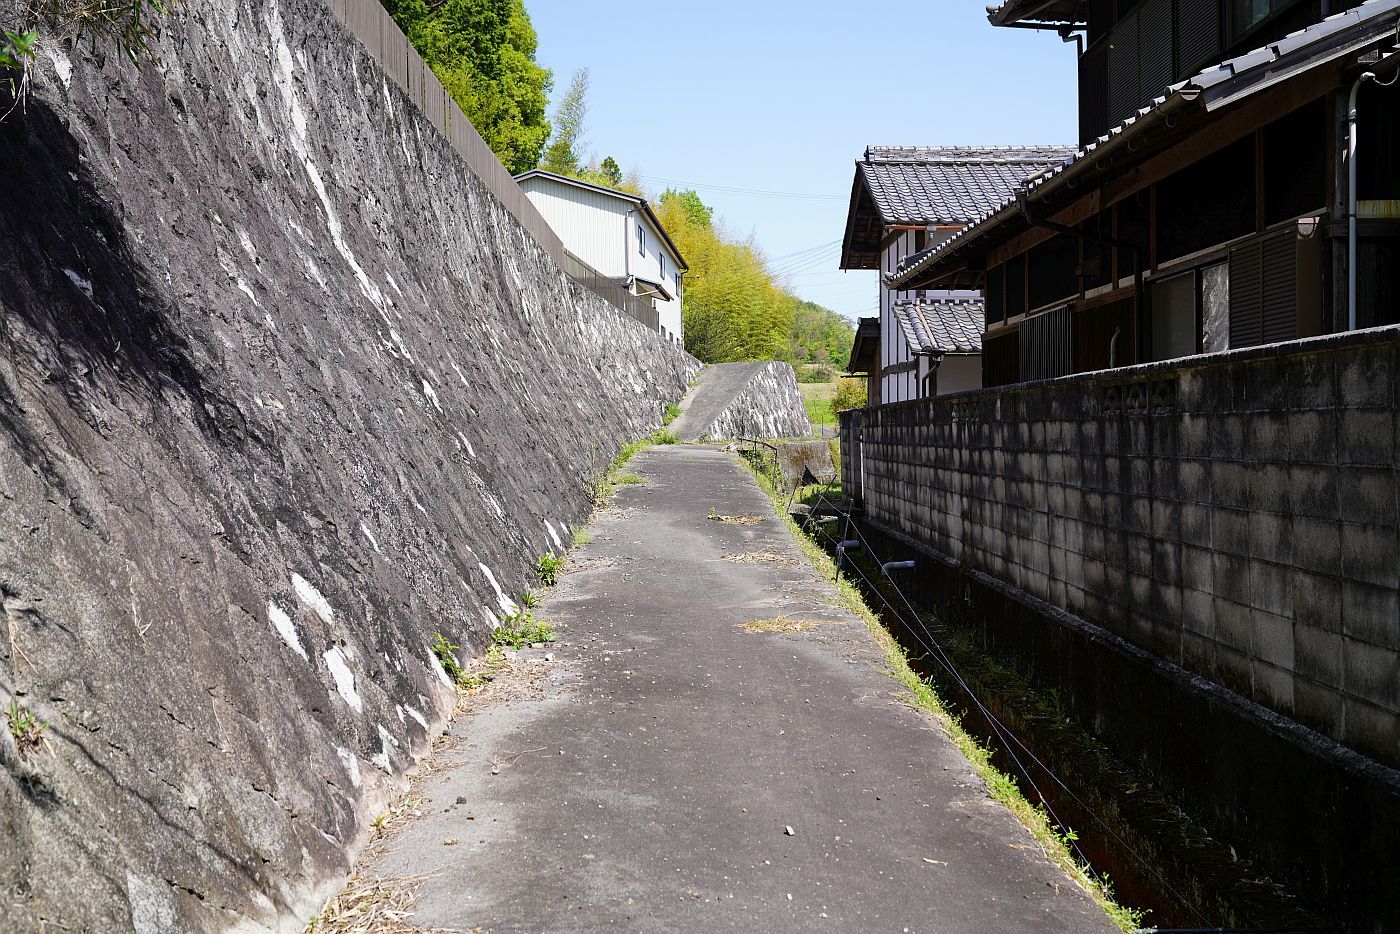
(1235, 514)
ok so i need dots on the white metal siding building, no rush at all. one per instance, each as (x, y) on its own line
(618, 235)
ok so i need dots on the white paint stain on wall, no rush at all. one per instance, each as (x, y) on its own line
(437, 667)
(416, 715)
(84, 285)
(285, 628)
(310, 596)
(351, 763)
(466, 444)
(343, 677)
(508, 606)
(364, 529)
(61, 65)
(558, 543)
(383, 762)
(431, 395)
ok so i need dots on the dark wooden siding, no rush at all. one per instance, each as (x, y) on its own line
(1001, 361)
(1209, 202)
(1093, 337)
(1047, 344)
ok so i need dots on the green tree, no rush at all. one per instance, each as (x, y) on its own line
(483, 52)
(563, 154)
(733, 309)
(611, 172)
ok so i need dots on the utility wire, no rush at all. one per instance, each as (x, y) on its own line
(755, 192)
(997, 726)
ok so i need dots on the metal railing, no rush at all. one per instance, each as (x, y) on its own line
(613, 291)
(368, 22)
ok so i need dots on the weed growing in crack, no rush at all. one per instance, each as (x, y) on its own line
(663, 436)
(528, 598)
(582, 537)
(548, 568)
(673, 412)
(628, 479)
(521, 630)
(26, 729)
(446, 654)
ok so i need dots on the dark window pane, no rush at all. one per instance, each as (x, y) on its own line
(1016, 286)
(1207, 203)
(1295, 164)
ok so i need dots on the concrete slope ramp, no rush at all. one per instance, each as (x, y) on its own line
(744, 400)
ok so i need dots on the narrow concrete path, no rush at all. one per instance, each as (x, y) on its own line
(649, 782)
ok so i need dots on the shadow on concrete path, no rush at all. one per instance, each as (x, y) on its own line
(651, 787)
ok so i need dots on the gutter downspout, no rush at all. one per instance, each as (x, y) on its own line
(1114, 242)
(627, 248)
(1352, 136)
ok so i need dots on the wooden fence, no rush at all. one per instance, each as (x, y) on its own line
(386, 43)
(612, 291)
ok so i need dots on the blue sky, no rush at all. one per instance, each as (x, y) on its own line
(785, 96)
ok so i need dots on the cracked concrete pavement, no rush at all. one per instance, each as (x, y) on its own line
(651, 783)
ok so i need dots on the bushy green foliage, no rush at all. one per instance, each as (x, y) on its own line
(483, 52)
(446, 654)
(663, 436)
(816, 373)
(17, 50)
(733, 309)
(673, 412)
(521, 630)
(819, 335)
(850, 394)
(564, 154)
(548, 569)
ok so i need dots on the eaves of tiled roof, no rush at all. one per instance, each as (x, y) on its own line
(949, 185)
(941, 326)
(1216, 87)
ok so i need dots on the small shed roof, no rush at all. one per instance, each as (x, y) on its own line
(865, 349)
(941, 325)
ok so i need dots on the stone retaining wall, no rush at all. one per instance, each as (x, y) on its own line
(285, 392)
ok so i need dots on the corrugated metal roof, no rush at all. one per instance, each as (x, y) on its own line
(949, 184)
(1215, 87)
(941, 325)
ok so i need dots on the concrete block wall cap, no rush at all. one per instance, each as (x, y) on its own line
(1326, 343)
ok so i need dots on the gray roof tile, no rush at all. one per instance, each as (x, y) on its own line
(1218, 85)
(941, 325)
(949, 184)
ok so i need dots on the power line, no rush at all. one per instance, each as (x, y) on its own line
(752, 192)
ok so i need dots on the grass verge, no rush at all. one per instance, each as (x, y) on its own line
(922, 696)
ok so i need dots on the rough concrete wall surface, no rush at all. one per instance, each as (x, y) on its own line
(744, 400)
(1235, 514)
(284, 394)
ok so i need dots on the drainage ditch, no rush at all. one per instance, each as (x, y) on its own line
(1147, 843)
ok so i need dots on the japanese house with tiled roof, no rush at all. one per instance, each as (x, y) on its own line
(1210, 206)
(905, 200)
